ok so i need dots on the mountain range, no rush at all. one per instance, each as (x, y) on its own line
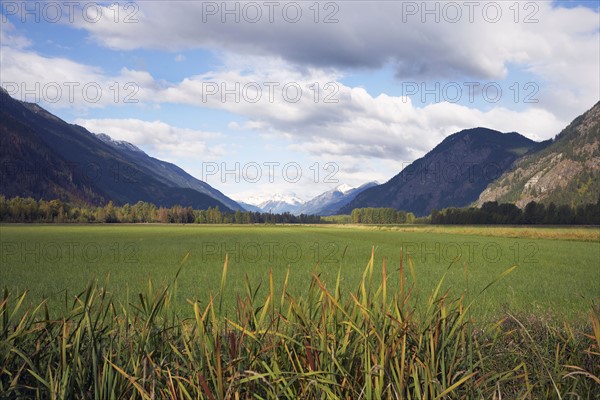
(453, 174)
(330, 202)
(42, 156)
(327, 203)
(277, 203)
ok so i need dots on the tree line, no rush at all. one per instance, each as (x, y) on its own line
(19, 209)
(381, 216)
(534, 213)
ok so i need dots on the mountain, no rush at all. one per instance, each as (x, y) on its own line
(271, 203)
(453, 174)
(170, 173)
(279, 204)
(564, 172)
(43, 156)
(328, 203)
(250, 207)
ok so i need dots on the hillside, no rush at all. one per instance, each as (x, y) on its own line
(43, 156)
(329, 202)
(564, 172)
(453, 174)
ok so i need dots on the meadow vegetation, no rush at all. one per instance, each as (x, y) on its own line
(363, 344)
(195, 312)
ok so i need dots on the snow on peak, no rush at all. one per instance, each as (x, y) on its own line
(344, 188)
(118, 143)
(261, 200)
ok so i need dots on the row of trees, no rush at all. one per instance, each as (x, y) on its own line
(381, 216)
(19, 209)
(533, 213)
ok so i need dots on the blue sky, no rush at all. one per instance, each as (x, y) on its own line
(381, 83)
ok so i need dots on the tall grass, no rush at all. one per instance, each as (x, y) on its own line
(371, 343)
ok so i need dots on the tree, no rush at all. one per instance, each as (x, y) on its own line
(534, 213)
(551, 214)
(163, 215)
(110, 215)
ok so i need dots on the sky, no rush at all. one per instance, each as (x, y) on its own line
(266, 98)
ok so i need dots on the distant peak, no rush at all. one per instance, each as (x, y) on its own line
(344, 188)
(261, 200)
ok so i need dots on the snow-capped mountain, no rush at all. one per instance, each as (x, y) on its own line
(274, 203)
(344, 188)
(281, 203)
(327, 203)
(290, 198)
(330, 202)
(279, 207)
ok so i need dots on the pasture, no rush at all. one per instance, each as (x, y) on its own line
(557, 274)
(337, 312)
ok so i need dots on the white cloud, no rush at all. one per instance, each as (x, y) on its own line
(357, 124)
(367, 34)
(158, 138)
(10, 39)
(59, 82)
(557, 47)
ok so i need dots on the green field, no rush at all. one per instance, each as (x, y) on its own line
(311, 312)
(557, 277)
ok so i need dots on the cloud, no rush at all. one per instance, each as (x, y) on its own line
(59, 82)
(421, 40)
(9, 38)
(425, 41)
(158, 138)
(354, 122)
(309, 107)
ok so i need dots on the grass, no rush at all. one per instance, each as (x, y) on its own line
(555, 278)
(579, 233)
(326, 343)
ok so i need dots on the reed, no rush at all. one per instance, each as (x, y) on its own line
(371, 343)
